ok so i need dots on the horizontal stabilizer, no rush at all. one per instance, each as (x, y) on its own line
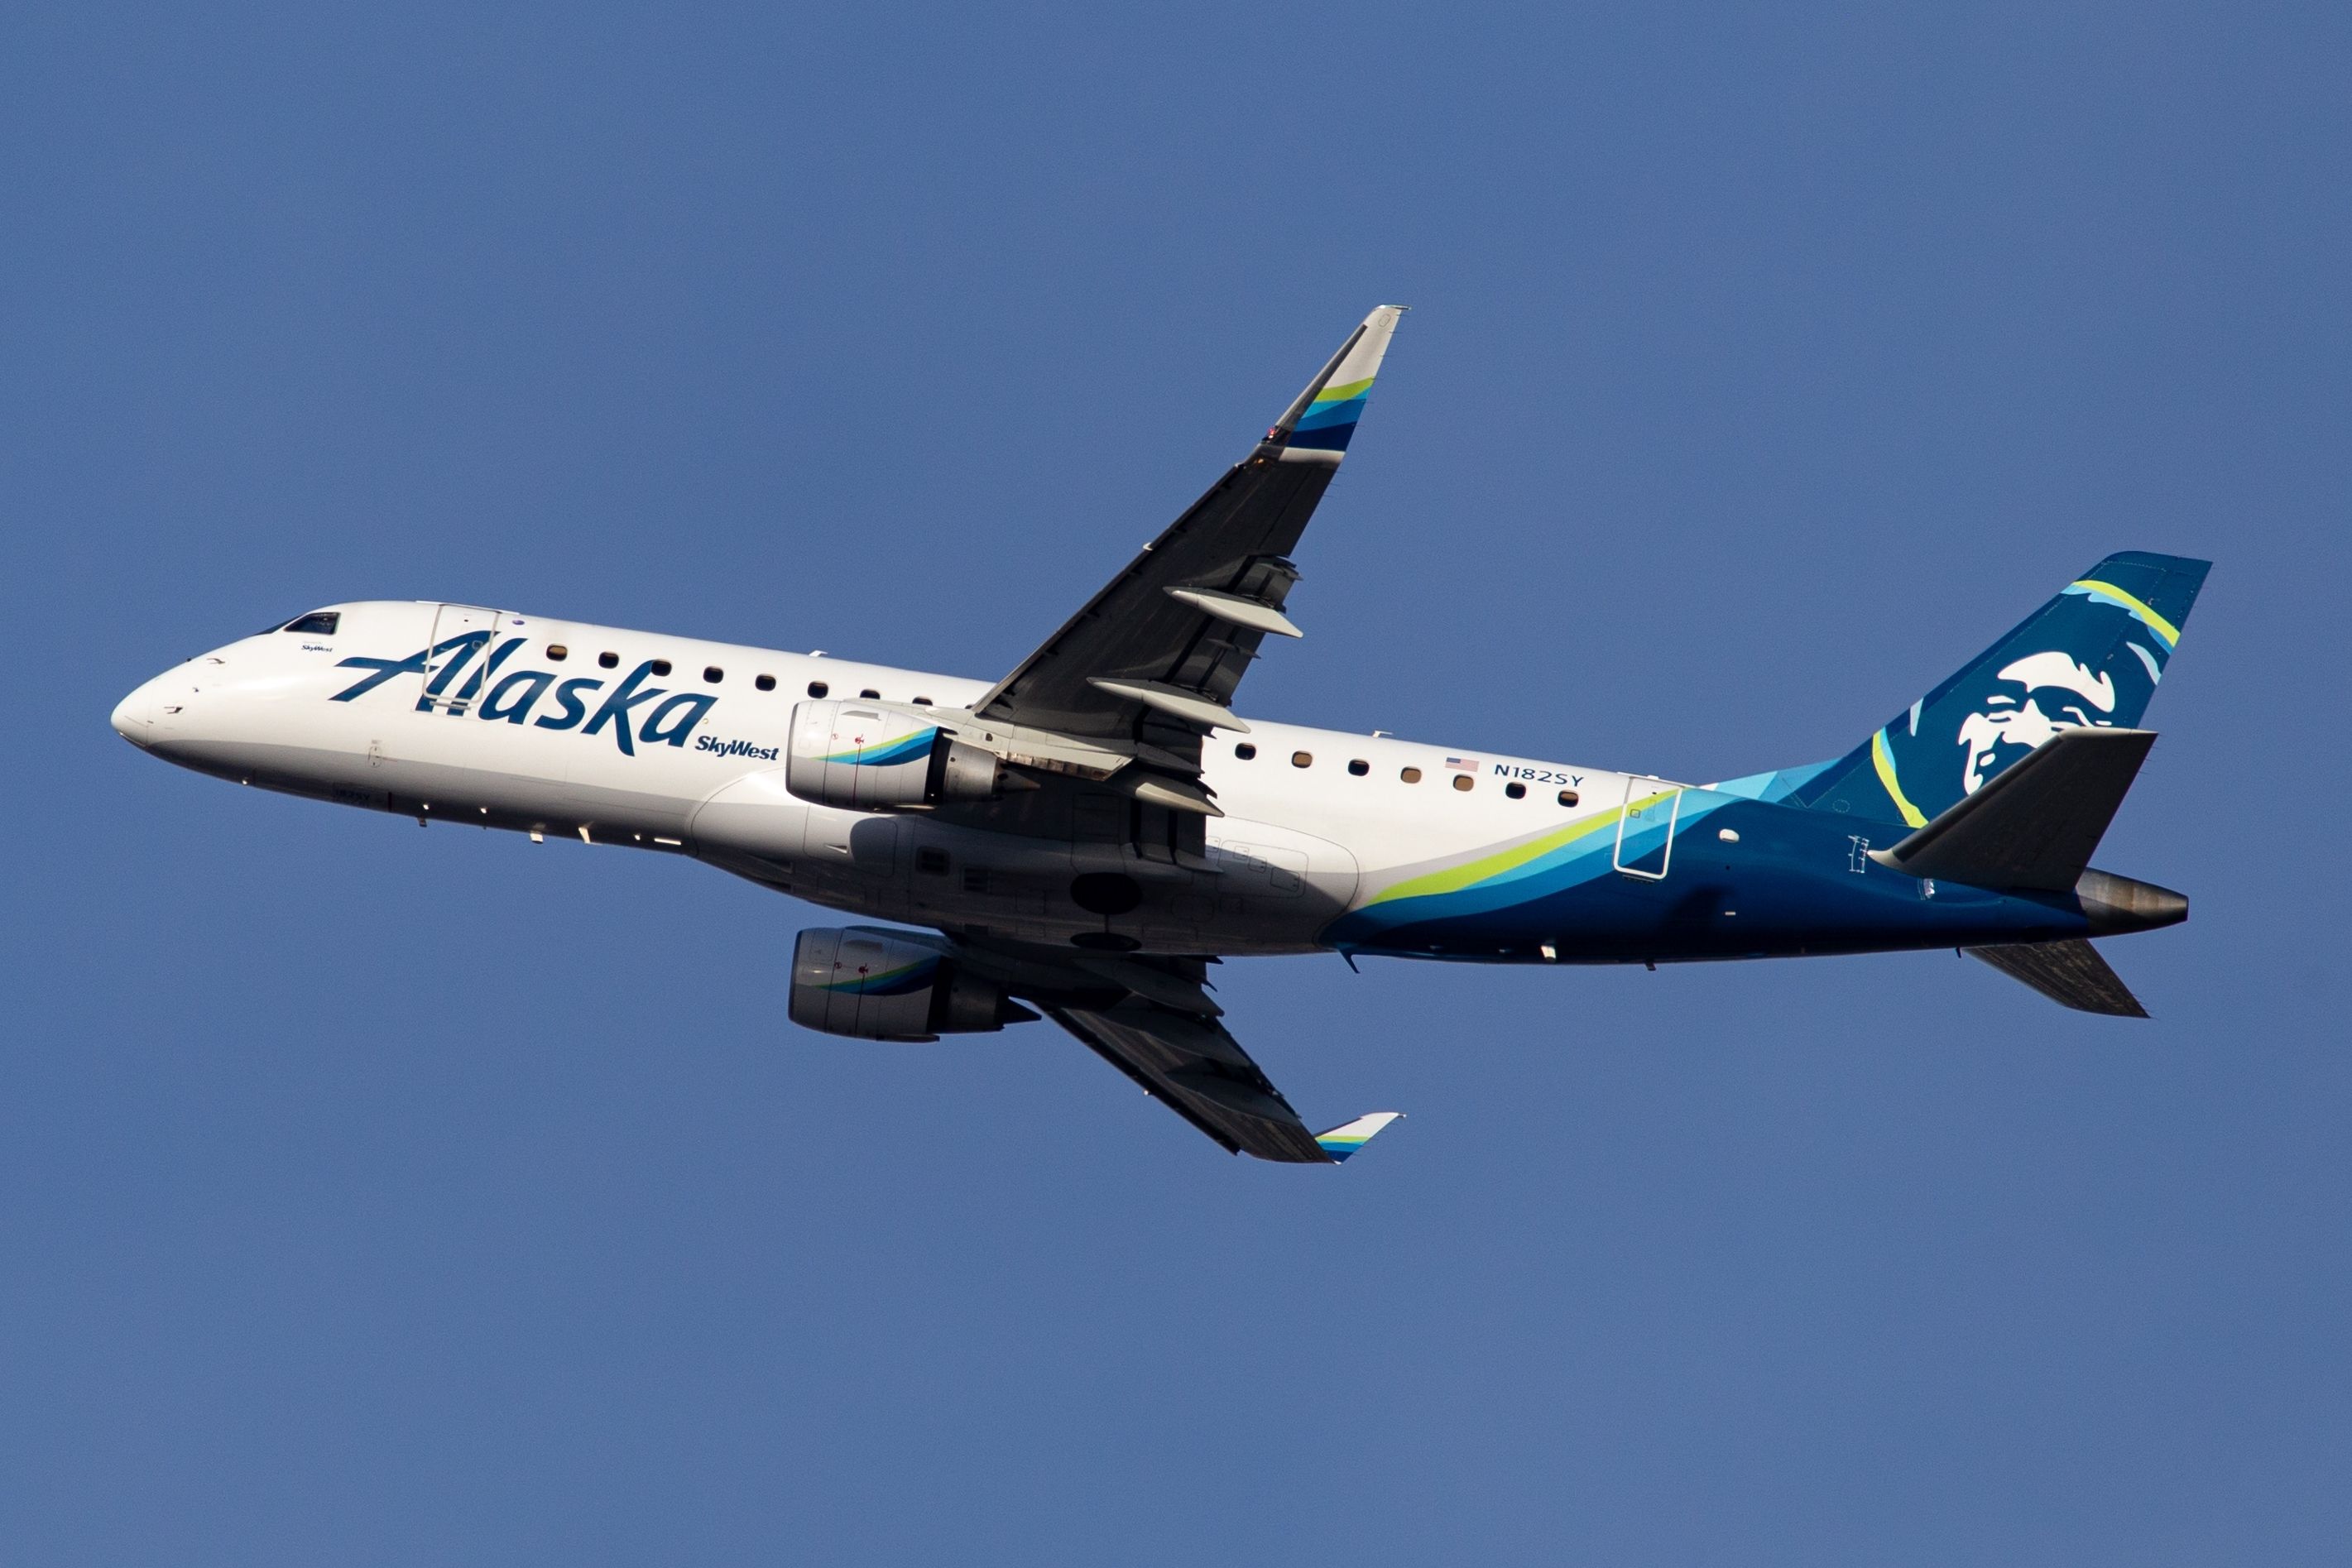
(1342, 1141)
(2071, 974)
(2035, 825)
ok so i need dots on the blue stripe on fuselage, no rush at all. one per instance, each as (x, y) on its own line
(1796, 882)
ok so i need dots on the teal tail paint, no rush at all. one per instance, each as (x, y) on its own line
(2093, 656)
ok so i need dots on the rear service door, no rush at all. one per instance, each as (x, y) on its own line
(1645, 831)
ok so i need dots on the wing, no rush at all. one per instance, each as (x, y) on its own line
(1196, 1068)
(1154, 658)
(1200, 1072)
(1152, 1018)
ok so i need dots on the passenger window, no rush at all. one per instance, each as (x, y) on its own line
(818, 688)
(1568, 797)
(1462, 781)
(1359, 768)
(1516, 791)
(558, 652)
(1410, 775)
(1302, 760)
(714, 675)
(766, 683)
(1245, 751)
(607, 660)
(922, 702)
(661, 666)
(318, 623)
(870, 694)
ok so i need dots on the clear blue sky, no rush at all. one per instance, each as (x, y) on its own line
(377, 1195)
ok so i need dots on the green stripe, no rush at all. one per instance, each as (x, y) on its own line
(1882, 758)
(1341, 394)
(1489, 868)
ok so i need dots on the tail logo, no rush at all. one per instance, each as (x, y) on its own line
(2006, 727)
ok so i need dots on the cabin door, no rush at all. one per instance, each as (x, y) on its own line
(456, 655)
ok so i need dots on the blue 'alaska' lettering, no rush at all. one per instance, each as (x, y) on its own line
(530, 684)
(514, 697)
(467, 647)
(689, 707)
(385, 669)
(618, 704)
(485, 670)
(573, 709)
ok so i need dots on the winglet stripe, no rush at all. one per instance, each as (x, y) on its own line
(1323, 415)
(1350, 1136)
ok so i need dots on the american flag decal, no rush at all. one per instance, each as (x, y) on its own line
(1463, 764)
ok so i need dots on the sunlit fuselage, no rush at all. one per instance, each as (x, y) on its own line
(1329, 839)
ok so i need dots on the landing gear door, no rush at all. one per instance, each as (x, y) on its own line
(1646, 829)
(456, 656)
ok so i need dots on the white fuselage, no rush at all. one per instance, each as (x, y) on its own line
(1315, 821)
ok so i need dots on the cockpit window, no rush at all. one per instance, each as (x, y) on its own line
(318, 623)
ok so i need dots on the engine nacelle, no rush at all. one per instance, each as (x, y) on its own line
(866, 758)
(883, 984)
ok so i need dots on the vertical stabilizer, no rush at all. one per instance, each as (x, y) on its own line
(2092, 656)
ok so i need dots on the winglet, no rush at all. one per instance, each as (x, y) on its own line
(1346, 1139)
(1319, 425)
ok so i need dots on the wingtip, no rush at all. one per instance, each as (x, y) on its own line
(1346, 1138)
(1318, 424)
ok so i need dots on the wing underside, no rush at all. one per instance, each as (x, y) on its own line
(1154, 1021)
(1225, 1096)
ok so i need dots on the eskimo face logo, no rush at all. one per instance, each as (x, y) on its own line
(2072, 691)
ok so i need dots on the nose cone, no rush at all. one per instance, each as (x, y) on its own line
(147, 715)
(133, 717)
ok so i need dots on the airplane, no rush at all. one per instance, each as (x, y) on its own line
(1086, 837)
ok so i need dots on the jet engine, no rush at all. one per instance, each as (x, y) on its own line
(889, 985)
(865, 758)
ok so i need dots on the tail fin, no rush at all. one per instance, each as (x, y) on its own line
(2092, 656)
